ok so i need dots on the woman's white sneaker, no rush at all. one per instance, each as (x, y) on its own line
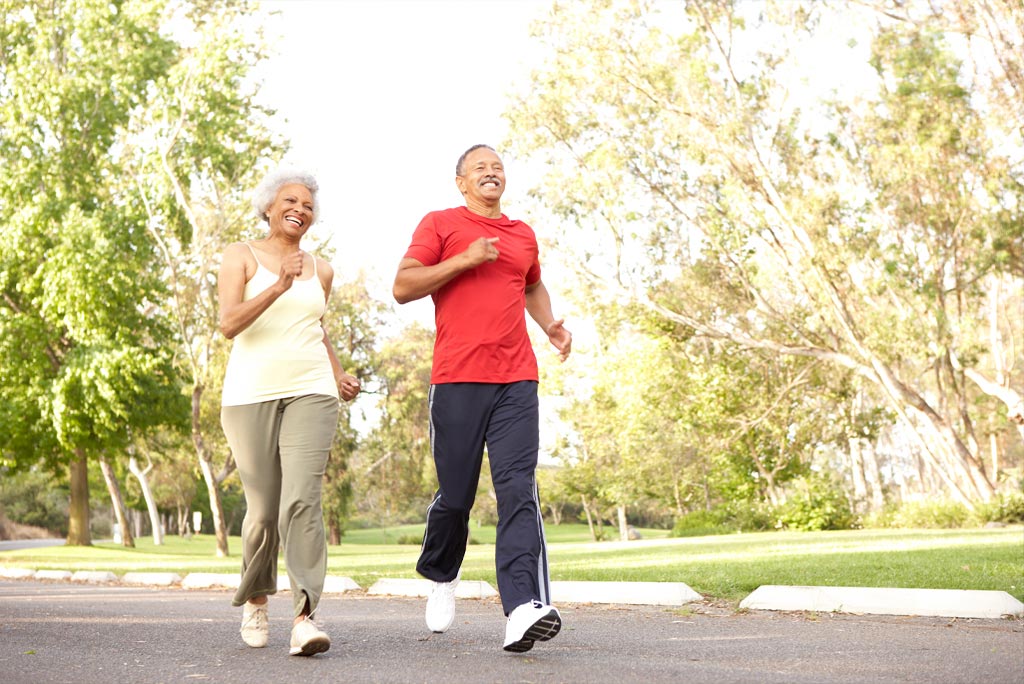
(530, 622)
(441, 605)
(308, 639)
(255, 626)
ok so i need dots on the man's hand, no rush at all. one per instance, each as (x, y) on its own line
(481, 251)
(560, 337)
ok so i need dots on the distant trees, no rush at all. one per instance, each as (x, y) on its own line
(129, 143)
(839, 264)
(81, 358)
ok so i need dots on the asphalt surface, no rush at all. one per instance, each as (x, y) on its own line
(62, 632)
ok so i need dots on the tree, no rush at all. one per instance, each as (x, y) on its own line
(848, 231)
(194, 152)
(393, 472)
(353, 320)
(82, 358)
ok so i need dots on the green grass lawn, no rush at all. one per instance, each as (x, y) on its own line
(725, 567)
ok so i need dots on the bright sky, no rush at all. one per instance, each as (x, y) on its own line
(379, 99)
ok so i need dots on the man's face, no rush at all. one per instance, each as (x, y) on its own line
(483, 176)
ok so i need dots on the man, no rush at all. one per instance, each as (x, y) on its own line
(481, 270)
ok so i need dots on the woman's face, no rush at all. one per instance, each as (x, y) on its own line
(291, 212)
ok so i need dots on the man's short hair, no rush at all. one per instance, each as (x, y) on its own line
(462, 159)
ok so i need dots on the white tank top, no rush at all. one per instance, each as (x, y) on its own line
(281, 354)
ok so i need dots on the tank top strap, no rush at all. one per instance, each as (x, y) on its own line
(254, 254)
(315, 274)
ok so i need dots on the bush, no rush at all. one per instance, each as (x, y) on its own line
(816, 504)
(734, 516)
(33, 498)
(928, 513)
(1005, 509)
(699, 524)
(410, 539)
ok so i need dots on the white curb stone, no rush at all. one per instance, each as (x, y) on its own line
(467, 589)
(399, 587)
(961, 603)
(53, 574)
(160, 579)
(634, 593)
(93, 576)
(205, 580)
(472, 589)
(17, 573)
(332, 584)
(339, 585)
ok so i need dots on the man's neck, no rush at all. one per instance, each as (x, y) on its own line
(486, 210)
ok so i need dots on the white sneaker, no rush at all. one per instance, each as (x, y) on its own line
(255, 626)
(308, 639)
(530, 622)
(441, 605)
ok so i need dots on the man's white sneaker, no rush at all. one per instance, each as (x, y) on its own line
(255, 626)
(308, 639)
(530, 622)
(441, 605)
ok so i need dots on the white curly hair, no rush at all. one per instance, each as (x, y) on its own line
(264, 194)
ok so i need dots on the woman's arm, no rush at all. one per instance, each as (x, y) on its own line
(236, 315)
(348, 385)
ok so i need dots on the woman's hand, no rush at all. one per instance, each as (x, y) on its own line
(348, 386)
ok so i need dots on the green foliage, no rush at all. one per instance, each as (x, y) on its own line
(33, 498)
(410, 540)
(729, 517)
(784, 241)
(925, 514)
(393, 473)
(813, 504)
(1007, 508)
(701, 524)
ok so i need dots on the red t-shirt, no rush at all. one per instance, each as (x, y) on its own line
(480, 314)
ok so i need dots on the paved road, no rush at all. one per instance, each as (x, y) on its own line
(63, 632)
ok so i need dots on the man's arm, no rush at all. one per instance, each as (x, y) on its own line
(538, 305)
(415, 281)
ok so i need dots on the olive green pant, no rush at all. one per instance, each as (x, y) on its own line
(281, 448)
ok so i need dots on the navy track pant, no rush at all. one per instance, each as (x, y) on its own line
(463, 418)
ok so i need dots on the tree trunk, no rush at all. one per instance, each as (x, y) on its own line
(993, 445)
(333, 533)
(117, 502)
(78, 514)
(147, 494)
(873, 475)
(556, 513)
(206, 466)
(590, 518)
(219, 526)
(623, 525)
(860, 485)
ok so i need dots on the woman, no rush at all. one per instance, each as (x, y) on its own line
(280, 405)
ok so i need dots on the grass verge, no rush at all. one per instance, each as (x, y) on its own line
(724, 567)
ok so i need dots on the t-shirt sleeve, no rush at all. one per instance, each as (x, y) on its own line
(533, 274)
(426, 242)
